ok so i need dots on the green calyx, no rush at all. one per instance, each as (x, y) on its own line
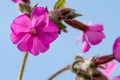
(25, 8)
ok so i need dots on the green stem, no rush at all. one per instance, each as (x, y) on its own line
(22, 67)
(60, 71)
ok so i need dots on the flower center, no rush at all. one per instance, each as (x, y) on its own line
(33, 31)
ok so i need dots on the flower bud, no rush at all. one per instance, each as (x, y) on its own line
(64, 13)
(102, 60)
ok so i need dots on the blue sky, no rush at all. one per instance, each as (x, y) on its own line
(63, 50)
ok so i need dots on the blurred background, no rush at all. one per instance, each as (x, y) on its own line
(64, 49)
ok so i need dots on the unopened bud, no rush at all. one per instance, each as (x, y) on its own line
(68, 13)
(104, 59)
(64, 13)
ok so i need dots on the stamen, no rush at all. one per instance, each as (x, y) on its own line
(33, 31)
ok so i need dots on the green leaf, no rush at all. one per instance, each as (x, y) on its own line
(59, 24)
(59, 4)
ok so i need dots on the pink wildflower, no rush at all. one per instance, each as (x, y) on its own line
(33, 34)
(116, 49)
(94, 36)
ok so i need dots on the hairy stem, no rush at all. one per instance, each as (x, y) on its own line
(58, 72)
(22, 67)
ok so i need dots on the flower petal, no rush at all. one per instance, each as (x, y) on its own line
(78, 38)
(109, 68)
(16, 1)
(47, 37)
(95, 27)
(116, 49)
(94, 37)
(16, 38)
(23, 45)
(52, 27)
(85, 44)
(37, 46)
(39, 17)
(116, 78)
(116, 43)
(21, 24)
(117, 53)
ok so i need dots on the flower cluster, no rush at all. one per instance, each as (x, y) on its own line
(36, 28)
(39, 17)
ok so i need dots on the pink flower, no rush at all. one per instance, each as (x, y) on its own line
(33, 34)
(109, 68)
(92, 34)
(116, 49)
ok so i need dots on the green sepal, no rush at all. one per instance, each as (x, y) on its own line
(73, 15)
(68, 13)
(35, 5)
(47, 9)
(59, 24)
(24, 8)
(59, 4)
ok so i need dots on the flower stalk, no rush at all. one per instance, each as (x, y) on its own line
(22, 67)
(58, 72)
